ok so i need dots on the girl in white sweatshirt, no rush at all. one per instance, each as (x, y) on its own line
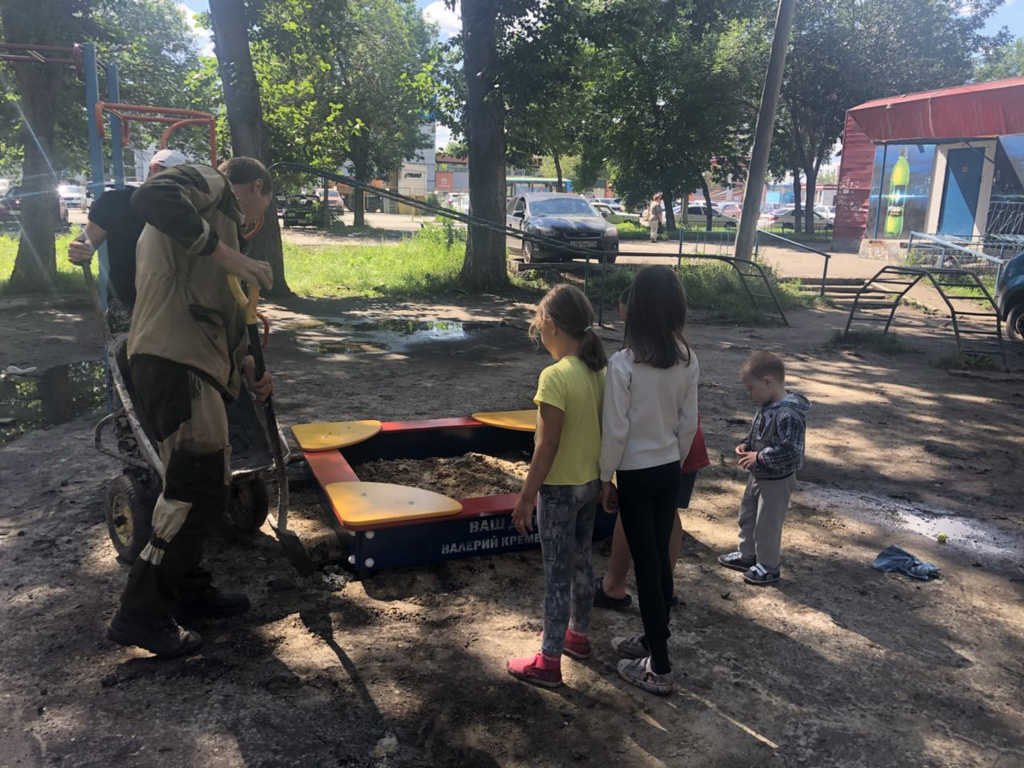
(649, 421)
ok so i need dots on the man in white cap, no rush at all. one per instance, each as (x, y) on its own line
(111, 220)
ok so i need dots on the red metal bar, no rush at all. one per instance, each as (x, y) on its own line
(36, 59)
(419, 426)
(208, 120)
(31, 47)
(175, 118)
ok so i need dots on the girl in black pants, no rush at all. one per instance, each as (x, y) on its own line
(648, 423)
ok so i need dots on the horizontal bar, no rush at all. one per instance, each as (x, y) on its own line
(420, 426)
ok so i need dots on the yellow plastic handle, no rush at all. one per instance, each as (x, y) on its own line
(248, 302)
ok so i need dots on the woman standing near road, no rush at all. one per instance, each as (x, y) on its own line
(656, 215)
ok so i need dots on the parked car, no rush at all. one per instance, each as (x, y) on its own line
(731, 208)
(783, 218)
(615, 203)
(696, 216)
(563, 217)
(1010, 296)
(334, 198)
(301, 211)
(10, 210)
(73, 195)
(828, 211)
(615, 215)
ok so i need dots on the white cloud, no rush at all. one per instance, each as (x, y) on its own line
(203, 37)
(448, 21)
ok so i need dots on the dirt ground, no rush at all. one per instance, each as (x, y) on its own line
(839, 666)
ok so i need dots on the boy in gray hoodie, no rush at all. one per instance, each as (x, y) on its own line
(772, 452)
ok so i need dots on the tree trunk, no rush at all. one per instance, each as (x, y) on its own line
(796, 200)
(361, 172)
(812, 182)
(36, 262)
(484, 267)
(245, 116)
(667, 198)
(707, 201)
(560, 185)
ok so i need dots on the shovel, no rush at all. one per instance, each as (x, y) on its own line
(290, 543)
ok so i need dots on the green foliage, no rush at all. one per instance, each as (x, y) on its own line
(671, 89)
(1003, 62)
(153, 45)
(343, 82)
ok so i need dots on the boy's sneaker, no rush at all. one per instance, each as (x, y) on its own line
(758, 574)
(539, 670)
(576, 645)
(737, 561)
(639, 673)
(633, 647)
(163, 637)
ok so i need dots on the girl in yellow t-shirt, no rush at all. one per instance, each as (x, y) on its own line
(563, 482)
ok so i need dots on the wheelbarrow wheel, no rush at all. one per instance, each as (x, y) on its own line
(248, 506)
(129, 514)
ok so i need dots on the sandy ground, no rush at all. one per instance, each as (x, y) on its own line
(839, 666)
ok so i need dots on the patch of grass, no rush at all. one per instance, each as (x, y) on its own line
(716, 288)
(966, 362)
(629, 230)
(68, 279)
(885, 343)
(421, 265)
(607, 289)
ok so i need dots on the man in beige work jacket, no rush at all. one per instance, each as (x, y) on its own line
(187, 350)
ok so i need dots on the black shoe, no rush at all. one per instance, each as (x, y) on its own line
(211, 603)
(601, 600)
(162, 637)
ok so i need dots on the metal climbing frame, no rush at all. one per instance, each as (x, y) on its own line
(826, 257)
(955, 286)
(746, 271)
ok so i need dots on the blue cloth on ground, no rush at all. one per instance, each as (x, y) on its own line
(896, 559)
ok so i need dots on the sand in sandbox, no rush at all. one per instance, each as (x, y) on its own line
(459, 477)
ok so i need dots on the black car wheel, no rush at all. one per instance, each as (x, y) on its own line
(1015, 323)
(529, 252)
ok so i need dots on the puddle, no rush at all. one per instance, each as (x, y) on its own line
(52, 396)
(396, 335)
(977, 538)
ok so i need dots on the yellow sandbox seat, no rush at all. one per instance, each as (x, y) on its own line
(521, 421)
(330, 435)
(365, 505)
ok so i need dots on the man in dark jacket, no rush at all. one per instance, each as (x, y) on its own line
(187, 351)
(112, 221)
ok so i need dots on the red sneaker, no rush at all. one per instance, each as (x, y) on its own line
(576, 645)
(540, 670)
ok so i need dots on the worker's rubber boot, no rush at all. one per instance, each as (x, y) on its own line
(210, 603)
(161, 636)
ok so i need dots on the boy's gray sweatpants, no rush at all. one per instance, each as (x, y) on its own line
(762, 511)
(565, 521)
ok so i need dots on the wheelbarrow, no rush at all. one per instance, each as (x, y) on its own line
(131, 496)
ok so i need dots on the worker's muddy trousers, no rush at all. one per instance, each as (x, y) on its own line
(187, 416)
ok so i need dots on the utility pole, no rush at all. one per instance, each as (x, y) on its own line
(747, 231)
